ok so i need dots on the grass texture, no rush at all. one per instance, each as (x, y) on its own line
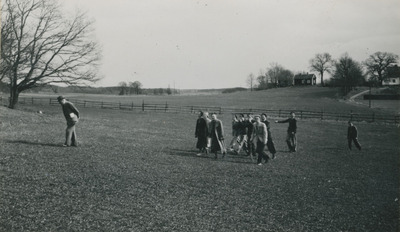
(138, 171)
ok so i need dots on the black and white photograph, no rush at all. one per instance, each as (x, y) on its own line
(200, 115)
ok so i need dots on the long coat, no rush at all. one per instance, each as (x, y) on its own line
(201, 133)
(217, 135)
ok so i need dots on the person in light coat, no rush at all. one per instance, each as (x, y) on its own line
(260, 137)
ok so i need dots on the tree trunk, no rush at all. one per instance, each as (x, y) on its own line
(322, 79)
(14, 94)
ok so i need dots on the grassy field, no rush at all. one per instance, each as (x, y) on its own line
(295, 98)
(138, 171)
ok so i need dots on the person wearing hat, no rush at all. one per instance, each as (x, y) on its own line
(260, 137)
(71, 114)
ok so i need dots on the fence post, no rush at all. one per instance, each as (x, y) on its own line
(301, 114)
(220, 110)
(102, 104)
(84, 104)
(166, 106)
(119, 105)
(132, 106)
(322, 114)
(143, 105)
(191, 110)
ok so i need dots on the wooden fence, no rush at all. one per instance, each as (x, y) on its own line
(142, 106)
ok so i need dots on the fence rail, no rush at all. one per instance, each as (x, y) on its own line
(142, 106)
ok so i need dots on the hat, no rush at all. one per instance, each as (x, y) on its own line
(257, 116)
(60, 98)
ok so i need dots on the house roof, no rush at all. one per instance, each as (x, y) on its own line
(304, 76)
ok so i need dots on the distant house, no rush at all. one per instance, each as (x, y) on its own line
(393, 76)
(305, 79)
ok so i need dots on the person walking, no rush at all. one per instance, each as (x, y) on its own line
(71, 114)
(217, 136)
(352, 135)
(235, 132)
(248, 125)
(270, 143)
(260, 135)
(241, 138)
(291, 138)
(201, 133)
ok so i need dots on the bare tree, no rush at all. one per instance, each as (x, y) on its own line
(136, 86)
(250, 81)
(348, 73)
(321, 63)
(40, 46)
(279, 75)
(123, 88)
(377, 63)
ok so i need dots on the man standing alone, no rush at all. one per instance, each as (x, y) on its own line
(352, 135)
(71, 114)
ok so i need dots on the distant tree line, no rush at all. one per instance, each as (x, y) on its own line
(136, 88)
(346, 73)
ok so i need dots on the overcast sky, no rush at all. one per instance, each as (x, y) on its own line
(218, 43)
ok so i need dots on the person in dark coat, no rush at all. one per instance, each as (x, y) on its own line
(352, 135)
(201, 133)
(270, 143)
(71, 114)
(291, 138)
(217, 136)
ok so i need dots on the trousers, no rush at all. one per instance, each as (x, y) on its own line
(260, 151)
(355, 140)
(291, 141)
(70, 135)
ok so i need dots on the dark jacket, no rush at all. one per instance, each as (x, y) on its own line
(292, 124)
(249, 128)
(69, 108)
(352, 132)
(267, 123)
(201, 128)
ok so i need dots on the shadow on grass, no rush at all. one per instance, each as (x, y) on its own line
(34, 143)
(231, 158)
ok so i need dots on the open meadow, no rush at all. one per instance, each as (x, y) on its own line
(138, 171)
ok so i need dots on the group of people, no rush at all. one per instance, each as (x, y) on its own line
(249, 133)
